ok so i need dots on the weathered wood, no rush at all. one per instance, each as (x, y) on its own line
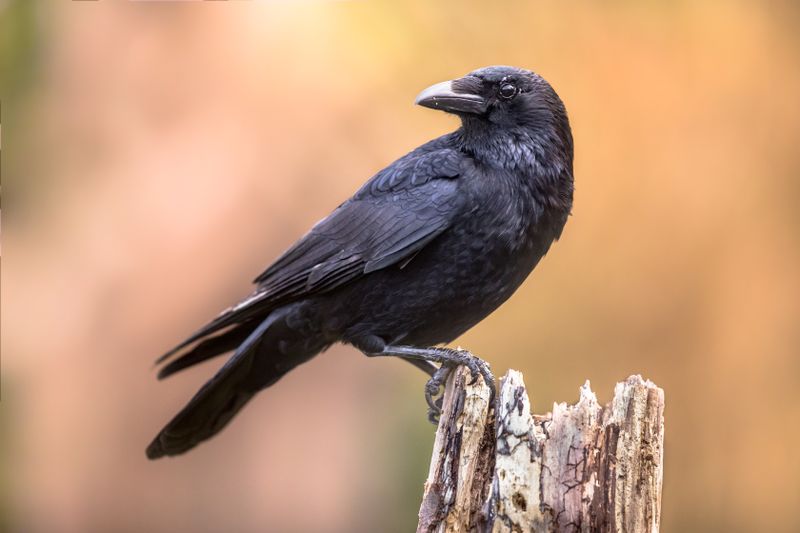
(463, 452)
(583, 467)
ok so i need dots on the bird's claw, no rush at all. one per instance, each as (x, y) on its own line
(479, 367)
(433, 388)
(434, 402)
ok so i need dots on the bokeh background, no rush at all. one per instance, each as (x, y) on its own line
(159, 155)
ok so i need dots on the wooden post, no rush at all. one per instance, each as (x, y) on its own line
(583, 467)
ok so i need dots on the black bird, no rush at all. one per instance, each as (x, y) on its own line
(425, 250)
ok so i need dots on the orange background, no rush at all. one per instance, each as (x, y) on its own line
(159, 155)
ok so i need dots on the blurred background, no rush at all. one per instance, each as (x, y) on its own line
(158, 156)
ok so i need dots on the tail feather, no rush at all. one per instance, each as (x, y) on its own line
(216, 403)
(198, 424)
(209, 348)
(252, 309)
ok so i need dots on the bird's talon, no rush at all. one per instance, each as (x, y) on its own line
(435, 387)
(432, 389)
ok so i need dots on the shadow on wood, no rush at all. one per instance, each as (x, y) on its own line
(583, 467)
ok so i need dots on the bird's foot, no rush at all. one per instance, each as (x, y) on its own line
(477, 367)
(448, 357)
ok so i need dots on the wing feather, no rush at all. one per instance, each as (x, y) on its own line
(388, 221)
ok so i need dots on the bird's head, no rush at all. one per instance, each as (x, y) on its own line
(505, 96)
(501, 104)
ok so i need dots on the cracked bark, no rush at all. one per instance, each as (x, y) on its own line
(582, 467)
(463, 451)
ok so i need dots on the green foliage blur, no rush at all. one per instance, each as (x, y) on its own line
(17, 45)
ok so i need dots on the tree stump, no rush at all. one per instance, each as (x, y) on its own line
(583, 467)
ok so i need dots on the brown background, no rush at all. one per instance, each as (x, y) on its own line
(158, 156)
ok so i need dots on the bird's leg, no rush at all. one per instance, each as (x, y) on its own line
(423, 358)
(448, 357)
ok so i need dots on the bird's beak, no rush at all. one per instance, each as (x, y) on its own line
(455, 96)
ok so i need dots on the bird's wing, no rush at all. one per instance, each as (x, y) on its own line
(391, 218)
(393, 215)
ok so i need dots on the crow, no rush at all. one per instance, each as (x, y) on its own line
(423, 251)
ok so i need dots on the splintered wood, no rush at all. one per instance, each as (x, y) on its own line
(583, 467)
(463, 454)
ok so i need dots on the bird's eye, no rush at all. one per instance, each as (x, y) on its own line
(508, 91)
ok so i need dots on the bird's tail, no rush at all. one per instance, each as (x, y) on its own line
(257, 363)
(210, 347)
